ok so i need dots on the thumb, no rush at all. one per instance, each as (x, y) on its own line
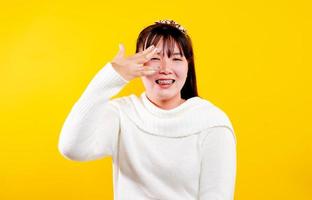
(121, 51)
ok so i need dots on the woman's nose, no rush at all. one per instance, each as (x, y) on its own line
(164, 65)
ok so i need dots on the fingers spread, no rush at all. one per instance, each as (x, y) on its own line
(148, 70)
(146, 51)
(144, 70)
(151, 54)
(146, 57)
(149, 49)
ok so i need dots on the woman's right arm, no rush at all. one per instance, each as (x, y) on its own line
(91, 129)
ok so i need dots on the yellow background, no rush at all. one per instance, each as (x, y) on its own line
(253, 60)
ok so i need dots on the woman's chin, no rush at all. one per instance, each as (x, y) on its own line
(165, 95)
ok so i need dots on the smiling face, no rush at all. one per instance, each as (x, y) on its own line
(174, 67)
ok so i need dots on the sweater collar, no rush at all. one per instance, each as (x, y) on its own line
(159, 112)
(191, 117)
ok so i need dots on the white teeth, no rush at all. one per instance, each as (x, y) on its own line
(168, 81)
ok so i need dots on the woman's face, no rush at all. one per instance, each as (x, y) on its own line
(174, 68)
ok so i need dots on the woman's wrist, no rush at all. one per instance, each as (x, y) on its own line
(119, 70)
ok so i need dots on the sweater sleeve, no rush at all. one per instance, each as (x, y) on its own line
(91, 128)
(218, 165)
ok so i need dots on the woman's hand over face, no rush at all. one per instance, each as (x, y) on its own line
(134, 66)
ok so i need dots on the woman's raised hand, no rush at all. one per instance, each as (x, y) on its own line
(134, 66)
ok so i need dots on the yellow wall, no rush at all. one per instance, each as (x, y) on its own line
(253, 59)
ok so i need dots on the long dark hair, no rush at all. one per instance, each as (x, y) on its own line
(152, 34)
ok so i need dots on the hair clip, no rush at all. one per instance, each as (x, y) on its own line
(173, 23)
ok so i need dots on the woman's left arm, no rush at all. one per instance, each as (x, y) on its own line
(218, 165)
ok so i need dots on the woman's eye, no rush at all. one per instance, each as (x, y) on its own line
(177, 59)
(155, 59)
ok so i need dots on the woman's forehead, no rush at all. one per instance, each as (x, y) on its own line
(168, 47)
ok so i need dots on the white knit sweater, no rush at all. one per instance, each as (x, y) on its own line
(185, 153)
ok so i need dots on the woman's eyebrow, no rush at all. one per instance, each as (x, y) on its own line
(176, 53)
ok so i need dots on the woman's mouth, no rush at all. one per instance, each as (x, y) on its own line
(164, 83)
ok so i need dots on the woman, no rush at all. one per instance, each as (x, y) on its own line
(168, 143)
